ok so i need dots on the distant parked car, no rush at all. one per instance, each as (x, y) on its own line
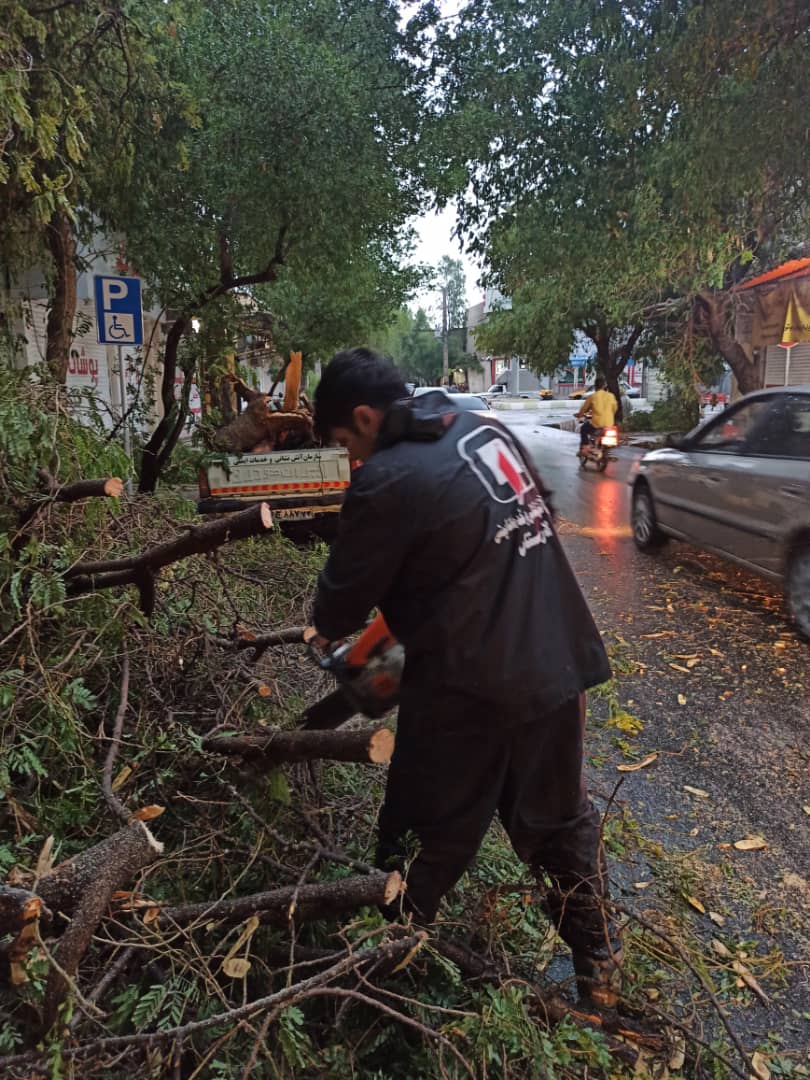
(464, 402)
(739, 486)
(501, 390)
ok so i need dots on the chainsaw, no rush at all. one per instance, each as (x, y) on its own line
(368, 672)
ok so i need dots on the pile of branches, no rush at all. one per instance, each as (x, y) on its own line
(192, 880)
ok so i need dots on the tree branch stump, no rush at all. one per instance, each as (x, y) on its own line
(304, 903)
(364, 744)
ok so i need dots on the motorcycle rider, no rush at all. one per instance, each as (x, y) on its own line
(603, 406)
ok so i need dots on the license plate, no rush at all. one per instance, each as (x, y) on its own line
(304, 514)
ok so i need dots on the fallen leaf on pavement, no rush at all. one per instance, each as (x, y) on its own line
(701, 794)
(678, 1055)
(749, 980)
(641, 884)
(806, 809)
(695, 903)
(722, 950)
(718, 920)
(648, 760)
(681, 699)
(691, 663)
(751, 843)
(660, 634)
(681, 668)
(760, 1067)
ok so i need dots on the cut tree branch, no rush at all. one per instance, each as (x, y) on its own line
(111, 487)
(301, 903)
(142, 569)
(365, 744)
(259, 643)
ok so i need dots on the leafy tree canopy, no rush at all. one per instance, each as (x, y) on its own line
(620, 156)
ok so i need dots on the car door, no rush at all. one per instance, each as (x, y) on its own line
(708, 479)
(774, 485)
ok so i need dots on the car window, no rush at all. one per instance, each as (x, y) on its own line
(729, 432)
(786, 432)
(469, 402)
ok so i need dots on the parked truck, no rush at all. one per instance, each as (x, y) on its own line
(304, 488)
(528, 384)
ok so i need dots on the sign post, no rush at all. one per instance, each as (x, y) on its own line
(119, 322)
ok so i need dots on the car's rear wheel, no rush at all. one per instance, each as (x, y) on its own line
(798, 588)
(646, 534)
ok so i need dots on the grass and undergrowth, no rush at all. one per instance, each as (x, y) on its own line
(231, 830)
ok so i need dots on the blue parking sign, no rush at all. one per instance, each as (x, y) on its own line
(119, 319)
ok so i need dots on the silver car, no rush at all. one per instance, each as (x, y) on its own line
(738, 486)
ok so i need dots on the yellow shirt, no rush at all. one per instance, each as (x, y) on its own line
(602, 405)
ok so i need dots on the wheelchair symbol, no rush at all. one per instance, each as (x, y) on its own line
(118, 327)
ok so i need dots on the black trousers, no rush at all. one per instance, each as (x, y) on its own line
(458, 761)
(586, 430)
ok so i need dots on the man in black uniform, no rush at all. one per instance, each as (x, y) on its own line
(447, 530)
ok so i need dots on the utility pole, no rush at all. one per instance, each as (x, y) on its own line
(445, 345)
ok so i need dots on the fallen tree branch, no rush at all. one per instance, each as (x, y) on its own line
(388, 951)
(365, 744)
(142, 569)
(304, 903)
(85, 885)
(259, 643)
(113, 801)
(553, 1008)
(114, 863)
(64, 888)
(111, 487)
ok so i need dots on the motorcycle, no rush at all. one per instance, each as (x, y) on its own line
(597, 449)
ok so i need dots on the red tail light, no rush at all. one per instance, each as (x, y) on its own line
(610, 437)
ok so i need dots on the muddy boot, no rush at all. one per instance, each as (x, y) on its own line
(598, 979)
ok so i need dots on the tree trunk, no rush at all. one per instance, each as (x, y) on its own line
(151, 460)
(61, 242)
(303, 903)
(611, 364)
(711, 318)
(366, 744)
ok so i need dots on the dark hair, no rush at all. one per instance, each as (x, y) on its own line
(355, 377)
(601, 382)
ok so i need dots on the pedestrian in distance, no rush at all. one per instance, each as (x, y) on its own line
(447, 530)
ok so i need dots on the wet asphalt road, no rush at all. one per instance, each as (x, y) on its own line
(707, 662)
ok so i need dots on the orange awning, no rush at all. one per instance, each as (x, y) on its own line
(793, 269)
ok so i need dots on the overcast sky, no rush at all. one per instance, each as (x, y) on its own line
(434, 233)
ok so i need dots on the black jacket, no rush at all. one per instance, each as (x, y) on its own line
(445, 530)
